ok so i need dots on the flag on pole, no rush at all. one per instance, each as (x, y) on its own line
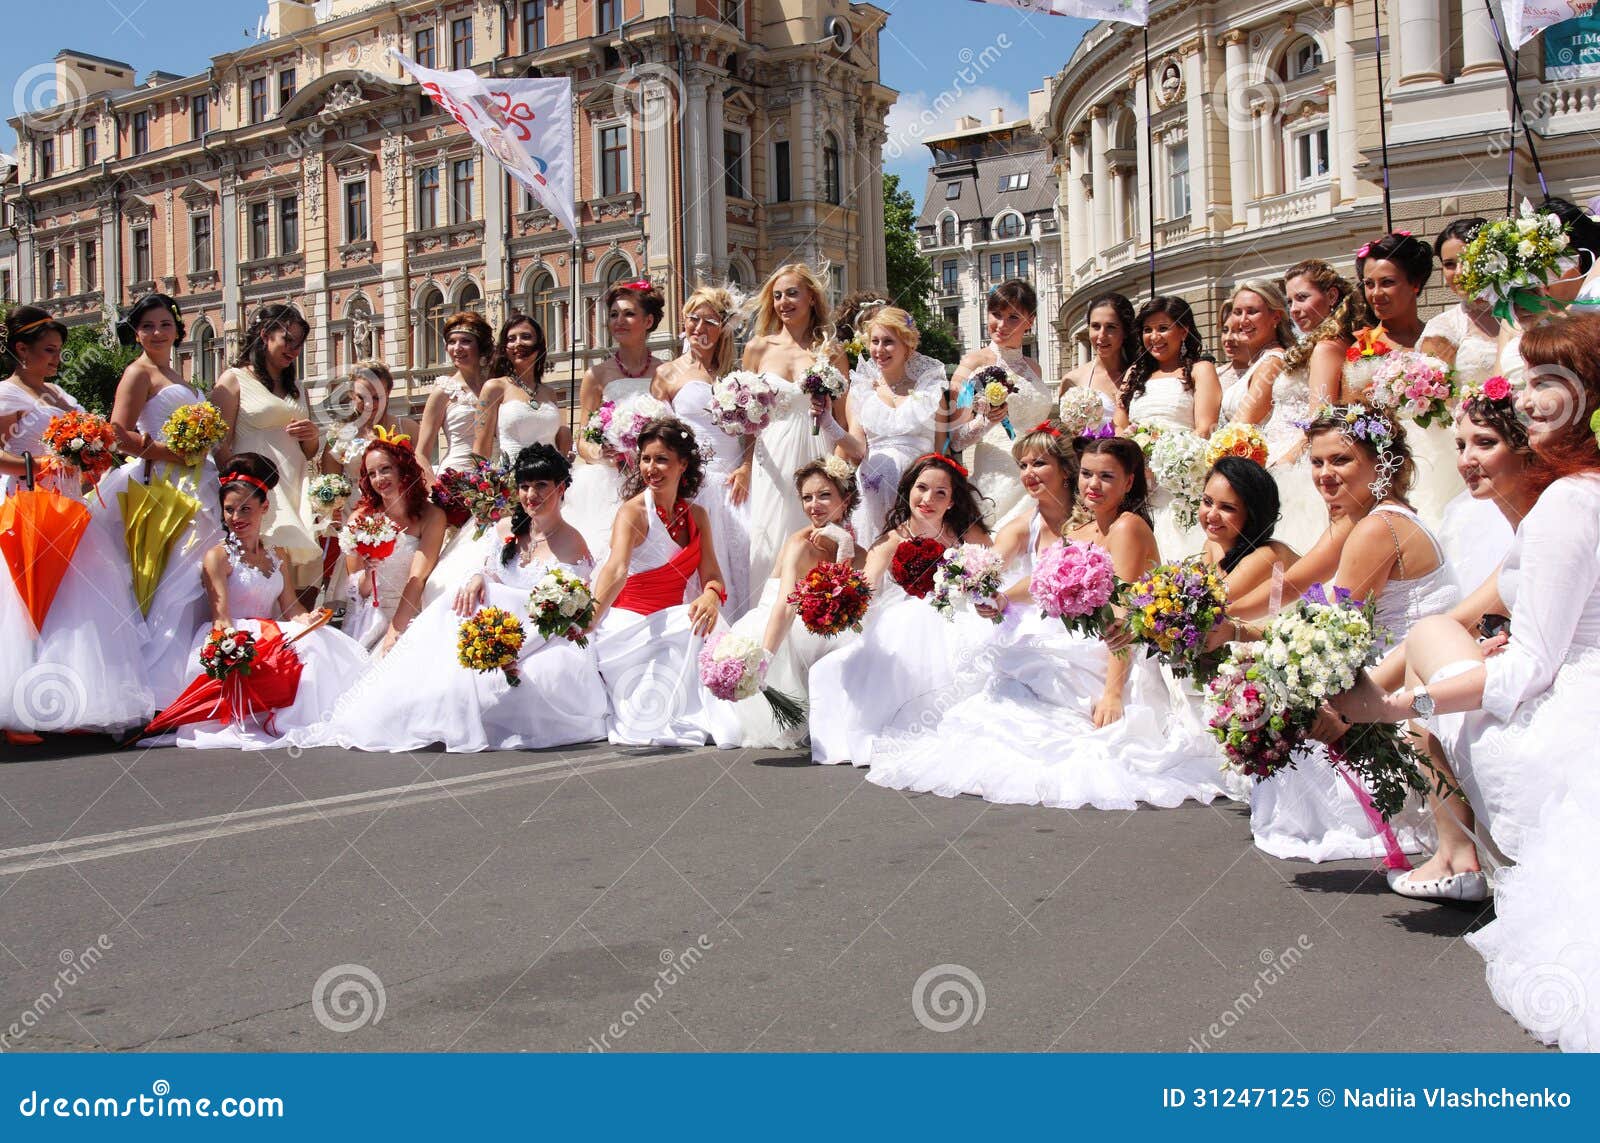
(1135, 12)
(1525, 19)
(525, 123)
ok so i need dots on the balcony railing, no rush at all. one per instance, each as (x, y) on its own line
(1305, 203)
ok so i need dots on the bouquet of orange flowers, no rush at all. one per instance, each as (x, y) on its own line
(490, 640)
(1237, 440)
(84, 441)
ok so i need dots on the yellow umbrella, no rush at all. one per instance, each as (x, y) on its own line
(154, 514)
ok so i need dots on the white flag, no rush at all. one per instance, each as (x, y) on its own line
(1136, 12)
(1525, 19)
(525, 123)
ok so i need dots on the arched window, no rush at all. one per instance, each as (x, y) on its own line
(1304, 58)
(205, 354)
(735, 278)
(947, 230)
(831, 191)
(433, 311)
(470, 298)
(541, 307)
(617, 271)
(1009, 226)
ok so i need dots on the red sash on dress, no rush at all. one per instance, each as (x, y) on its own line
(648, 592)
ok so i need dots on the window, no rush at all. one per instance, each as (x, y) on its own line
(996, 266)
(947, 231)
(47, 273)
(199, 242)
(1004, 267)
(542, 308)
(91, 265)
(1307, 59)
(47, 158)
(952, 317)
(952, 191)
(835, 285)
(199, 115)
(607, 15)
(1009, 226)
(613, 160)
(355, 211)
(733, 14)
(423, 45)
(1311, 156)
(427, 198)
(1014, 182)
(733, 183)
(285, 86)
(5, 285)
(65, 272)
(461, 178)
(461, 43)
(141, 255)
(830, 170)
(259, 243)
(433, 312)
(1022, 264)
(532, 25)
(91, 146)
(780, 172)
(288, 224)
(205, 343)
(949, 276)
(258, 99)
(1178, 180)
(141, 132)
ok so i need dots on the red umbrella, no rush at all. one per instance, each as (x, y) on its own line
(271, 684)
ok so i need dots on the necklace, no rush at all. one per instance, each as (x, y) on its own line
(678, 520)
(627, 371)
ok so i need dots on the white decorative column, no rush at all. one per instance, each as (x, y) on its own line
(1238, 124)
(697, 211)
(1267, 163)
(1143, 161)
(1479, 51)
(808, 136)
(1199, 134)
(657, 101)
(1421, 42)
(1344, 96)
(876, 136)
(1101, 177)
(228, 216)
(494, 238)
(717, 191)
(1078, 226)
(1119, 204)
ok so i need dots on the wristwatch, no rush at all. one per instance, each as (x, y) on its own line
(1422, 703)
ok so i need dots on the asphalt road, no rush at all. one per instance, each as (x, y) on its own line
(609, 899)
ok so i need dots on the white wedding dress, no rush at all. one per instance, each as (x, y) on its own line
(1302, 513)
(85, 670)
(784, 445)
(730, 523)
(1310, 812)
(896, 436)
(596, 493)
(419, 694)
(994, 470)
(367, 620)
(1167, 404)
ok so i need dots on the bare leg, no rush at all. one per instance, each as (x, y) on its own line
(1433, 643)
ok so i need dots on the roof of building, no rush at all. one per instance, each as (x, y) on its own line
(73, 53)
(980, 181)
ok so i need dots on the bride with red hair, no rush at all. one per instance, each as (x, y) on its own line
(387, 594)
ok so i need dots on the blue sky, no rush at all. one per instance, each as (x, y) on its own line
(922, 53)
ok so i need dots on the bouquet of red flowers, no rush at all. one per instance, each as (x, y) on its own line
(227, 650)
(915, 561)
(487, 490)
(84, 441)
(456, 512)
(372, 536)
(831, 599)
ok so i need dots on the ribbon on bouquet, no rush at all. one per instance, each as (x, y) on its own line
(1395, 857)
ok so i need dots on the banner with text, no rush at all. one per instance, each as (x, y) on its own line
(1136, 12)
(1525, 19)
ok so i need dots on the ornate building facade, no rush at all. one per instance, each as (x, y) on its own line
(1267, 149)
(715, 139)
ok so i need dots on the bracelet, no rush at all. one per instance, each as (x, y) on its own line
(719, 591)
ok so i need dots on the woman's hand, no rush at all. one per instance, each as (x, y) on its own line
(819, 405)
(1329, 726)
(995, 413)
(1494, 644)
(470, 596)
(303, 430)
(822, 543)
(704, 611)
(739, 485)
(992, 607)
(1117, 638)
(1107, 710)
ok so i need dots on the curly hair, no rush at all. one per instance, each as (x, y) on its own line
(847, 316)
(1396, 450)
(1193, 349)
(648, 297)
(678, 437)
(1126, 318)
(536, 462)
(500, 365)
(899, 323)
(963, 513)
(849, 490)
(1258, 493)
(253, 346)
(412, 482)
(1348, 315)
(1129, 458)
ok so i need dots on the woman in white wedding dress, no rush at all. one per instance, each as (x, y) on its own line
(908, 657)
(686, 383)
(1109, 322)
(633, 311)
(890, 421)
(657, 596)
(419, 694)
(455, 406)
(828, 494)
(1059, 720)
(971, 423)
(791, 334)
(83, 669)
(387, 594)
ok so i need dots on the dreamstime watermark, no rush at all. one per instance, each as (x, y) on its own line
(74, 967)
(1274, 967)
(348, 997)
(974, 66)
(674, 967)
(1548, 997)
(49, 697)
(948, 997)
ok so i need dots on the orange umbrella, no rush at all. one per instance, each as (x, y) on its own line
(39, 531)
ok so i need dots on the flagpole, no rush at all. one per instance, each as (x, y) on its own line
(1150, 157)
(1383, 127)
(1512, 63)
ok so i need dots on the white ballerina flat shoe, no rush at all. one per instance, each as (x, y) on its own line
(1473, 886)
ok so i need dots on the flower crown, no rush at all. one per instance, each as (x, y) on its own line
(1358, 422)
(1495, 390)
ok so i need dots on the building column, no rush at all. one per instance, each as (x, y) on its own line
(1100, 176)
(1421, 42)
(1078, 248)
(658, 106)
(718, 190)
(1119, 205)
(1480, 51)
(1239, 165)
(1268, 162)
(697, 212)
(1143, 160)
(228, 247)
(1199, 134)
(808, 137)
(880, 259)
(1344, 96)
(494, 240)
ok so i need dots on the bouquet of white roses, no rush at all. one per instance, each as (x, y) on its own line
(561, 604)
(742, 403)
(1082, 412)
(1508, 261)
(628, 421)
(1178, 462)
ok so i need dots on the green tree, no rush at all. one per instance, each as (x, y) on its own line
(910, 274)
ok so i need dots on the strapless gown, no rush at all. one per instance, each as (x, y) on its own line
(596, 492)
(730, 523)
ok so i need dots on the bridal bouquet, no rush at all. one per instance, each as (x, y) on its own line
(1172, 608)
(823, 380)
(1145, 436)
(1258, 732)
(1362, 359)
(84, 441)
(1082, 412)
(914, 563)
(486, 489)
(227, 651)
(994, 385)
(629, 421)
(328, 493)
(490, 640)
(1510, 260)
(742, 403)
(972, 570)
(562, 604)
(1237, 440)
(1074, 581)
(372, 536)
(599, 423)
(831, 599)
(194, 430)
(1178, 463)
(733, 668)
(1413, 386)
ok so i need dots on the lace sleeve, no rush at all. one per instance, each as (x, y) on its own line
(1449, 324)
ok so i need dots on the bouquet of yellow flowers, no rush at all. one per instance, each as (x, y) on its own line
(194, 430)
(1172, 608)
(1237, 440)
(490, 640)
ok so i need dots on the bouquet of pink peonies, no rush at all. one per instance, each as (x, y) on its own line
(742, 403)
(599, 424)
(1413, 386)
(1075, 581)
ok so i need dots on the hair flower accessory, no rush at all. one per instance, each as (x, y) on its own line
(392, 436)
(637, 284)
(838, 468)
